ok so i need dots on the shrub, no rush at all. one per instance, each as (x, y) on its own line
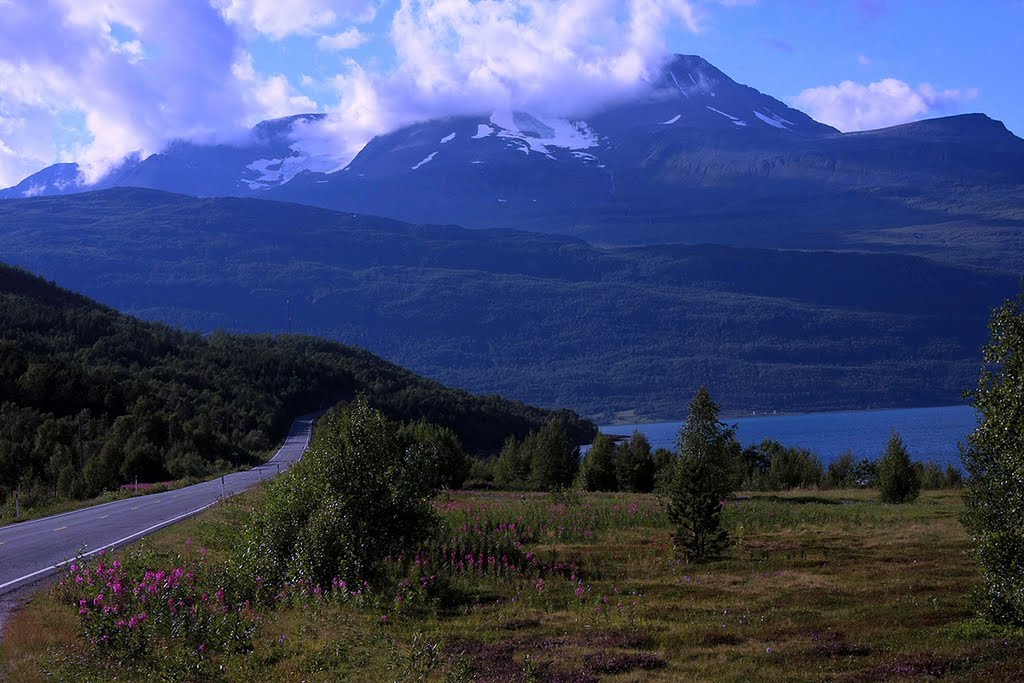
(700, 481)
(842, 472)
(554, 461)
(512, 468)
(451, 466)
(544, 461)
(896, 474)
(634, 465)
(597, 471)
(358, 497)
(664, 462)
(791, 467)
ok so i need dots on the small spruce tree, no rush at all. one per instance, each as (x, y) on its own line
(897, 477)
(700, 481)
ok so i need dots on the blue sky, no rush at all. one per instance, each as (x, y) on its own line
(93, 80)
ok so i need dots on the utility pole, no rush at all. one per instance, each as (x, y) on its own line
(288, 302)
(81, 456)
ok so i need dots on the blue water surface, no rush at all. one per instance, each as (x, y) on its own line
(930, 434)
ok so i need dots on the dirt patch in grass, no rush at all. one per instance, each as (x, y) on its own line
(834, 644)
(717, 638)
(556, 659)
(619, 663)
(995, 660)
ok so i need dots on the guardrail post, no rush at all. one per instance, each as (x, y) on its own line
(223, 492)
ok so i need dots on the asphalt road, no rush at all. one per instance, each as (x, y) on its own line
(33, 550)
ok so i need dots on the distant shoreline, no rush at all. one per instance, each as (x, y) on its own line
(732, 415)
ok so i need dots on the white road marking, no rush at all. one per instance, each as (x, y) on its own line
(116, 543)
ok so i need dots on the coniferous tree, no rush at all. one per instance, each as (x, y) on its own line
(701, 480)
(994, 460)
(896, 474)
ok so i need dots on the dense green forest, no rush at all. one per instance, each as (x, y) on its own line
(91, 398)
(549, 320)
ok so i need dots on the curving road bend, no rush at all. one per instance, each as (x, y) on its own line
(33, 550)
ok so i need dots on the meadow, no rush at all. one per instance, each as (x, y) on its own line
(575, 587)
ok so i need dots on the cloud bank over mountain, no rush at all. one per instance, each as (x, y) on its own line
(94, 80)
(852, 106)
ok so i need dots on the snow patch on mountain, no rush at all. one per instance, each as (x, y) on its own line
(447, 138)
(773, 119)
(738, 122)
(672, 120)
(531, 133)
(770, 121)
(427, 160)
(483, 131)
(273, 172)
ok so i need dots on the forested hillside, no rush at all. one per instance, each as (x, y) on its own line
(550, 320)
(91, 398)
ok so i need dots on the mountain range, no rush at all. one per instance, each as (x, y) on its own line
(696, 157)
(699, 231)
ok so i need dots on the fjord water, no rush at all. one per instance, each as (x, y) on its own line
(930, 434)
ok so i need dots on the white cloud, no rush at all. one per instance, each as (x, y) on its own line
(131, 75)
(279, 19)
(269, 96)
(554, 57)
(852, 106)
(864, 60)
(349, 39)
(175, 70)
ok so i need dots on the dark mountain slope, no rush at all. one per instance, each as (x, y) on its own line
(543, 318)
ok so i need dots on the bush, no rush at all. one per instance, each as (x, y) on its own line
(842, 472)
(896, 474)
(597, 471)
(664, 463)
(554, 461)
(700, 481)
(451, 466)
(544, 461)
(634, 465)
(792, 467)
(358, 497)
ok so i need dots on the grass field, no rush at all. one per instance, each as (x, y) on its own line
(828, 585)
